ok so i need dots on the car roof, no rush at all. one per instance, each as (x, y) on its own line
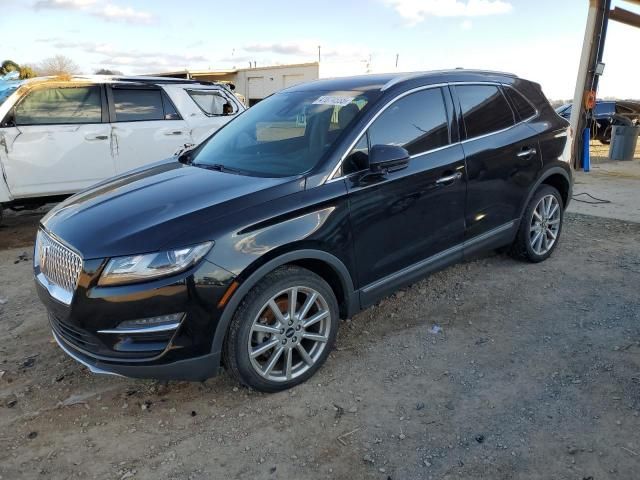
(384, 81)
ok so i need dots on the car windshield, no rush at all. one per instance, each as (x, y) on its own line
(285, 134)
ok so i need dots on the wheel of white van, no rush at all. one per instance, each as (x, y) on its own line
(283, 330)
(540, 226)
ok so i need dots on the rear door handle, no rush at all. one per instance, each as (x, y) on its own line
(174, 132)
(528, 152)
(449, 179)
(93, 136)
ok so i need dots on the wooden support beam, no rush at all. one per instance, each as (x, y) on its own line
(625, 16)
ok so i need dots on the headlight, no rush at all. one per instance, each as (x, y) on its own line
(138, 268)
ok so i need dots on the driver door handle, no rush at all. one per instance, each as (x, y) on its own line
(449, 179)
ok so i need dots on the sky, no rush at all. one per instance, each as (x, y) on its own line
(535, 39)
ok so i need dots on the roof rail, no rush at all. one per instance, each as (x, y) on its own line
(162, 80)
(403, 77)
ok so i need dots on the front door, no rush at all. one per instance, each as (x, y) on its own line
(146, 126)
(58, 142)
(410, 221)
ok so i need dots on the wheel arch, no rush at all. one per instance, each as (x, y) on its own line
(556, 177)
(324, 264)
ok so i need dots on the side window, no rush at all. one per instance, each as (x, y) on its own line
(484, 109)
(135, 104)
(60, 105)
(417, 122)
(212, 102)
(170, 112)
(522, 106)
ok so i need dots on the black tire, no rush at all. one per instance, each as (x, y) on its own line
(521, 247)
(236, 347)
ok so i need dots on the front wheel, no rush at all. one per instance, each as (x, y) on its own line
(283, 330)
(540, 226)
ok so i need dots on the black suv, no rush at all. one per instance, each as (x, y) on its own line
(246, 251)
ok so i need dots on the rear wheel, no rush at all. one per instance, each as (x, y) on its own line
(540, 226)
(283, 330)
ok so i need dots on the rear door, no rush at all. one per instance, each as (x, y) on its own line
(57, 140)
(146, 126)
(503, 159)
(404, 220)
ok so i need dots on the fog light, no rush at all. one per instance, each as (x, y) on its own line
(148, 325)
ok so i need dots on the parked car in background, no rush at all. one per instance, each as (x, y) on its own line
(314, 204)
(606, 114)
(59, 136)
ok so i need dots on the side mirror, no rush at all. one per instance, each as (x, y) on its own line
(388, 158)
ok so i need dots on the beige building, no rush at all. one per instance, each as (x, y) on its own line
(254, 84)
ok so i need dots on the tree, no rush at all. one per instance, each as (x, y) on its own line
(106, 71)
(58, 65)
(25, 71)
(9, 66)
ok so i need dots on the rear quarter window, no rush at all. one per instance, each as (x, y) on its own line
(484, 109)
(522, 106)
(213, 102)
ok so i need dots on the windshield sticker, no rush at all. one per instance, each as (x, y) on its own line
(338, 100)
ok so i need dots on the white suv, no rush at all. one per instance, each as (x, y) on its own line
(59, 136)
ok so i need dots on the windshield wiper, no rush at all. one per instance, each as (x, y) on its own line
(218, 167)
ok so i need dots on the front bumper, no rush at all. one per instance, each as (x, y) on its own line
(195, 369)
(87, 328)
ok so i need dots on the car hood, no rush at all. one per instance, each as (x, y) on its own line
(166, 205)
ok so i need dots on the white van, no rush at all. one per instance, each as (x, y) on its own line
(61, 135)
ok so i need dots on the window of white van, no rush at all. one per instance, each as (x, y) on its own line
(212, 102)
(139, 105)
(60, 105)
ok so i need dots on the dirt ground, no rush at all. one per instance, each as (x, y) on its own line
(535, 374)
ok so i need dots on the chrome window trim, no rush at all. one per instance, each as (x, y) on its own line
(333, 178)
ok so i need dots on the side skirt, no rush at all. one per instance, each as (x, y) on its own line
(498, 237)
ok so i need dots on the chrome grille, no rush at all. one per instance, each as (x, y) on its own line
(59, 264)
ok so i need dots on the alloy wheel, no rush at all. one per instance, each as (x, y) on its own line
(289, 334)
(545, 224)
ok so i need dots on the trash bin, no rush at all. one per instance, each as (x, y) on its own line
(623, 142)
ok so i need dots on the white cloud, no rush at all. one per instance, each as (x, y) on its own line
(126, 14)
(416, 11)
(63, 4)
(109, 12)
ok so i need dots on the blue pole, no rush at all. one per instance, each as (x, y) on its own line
(586, 159)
